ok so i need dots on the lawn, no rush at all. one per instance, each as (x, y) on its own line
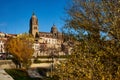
(20, 74)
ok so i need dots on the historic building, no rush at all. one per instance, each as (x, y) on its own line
(3, 38)
(34, 30)
(2, 42)
(44, 40)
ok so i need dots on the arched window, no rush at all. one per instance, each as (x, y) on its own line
(35, 28)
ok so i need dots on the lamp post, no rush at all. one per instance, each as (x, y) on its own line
(51, 65)
(52, 62)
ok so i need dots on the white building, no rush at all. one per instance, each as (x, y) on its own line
(2, 47)
(2, 42)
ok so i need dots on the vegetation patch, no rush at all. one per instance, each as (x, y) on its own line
(19, 74)
(60, 56)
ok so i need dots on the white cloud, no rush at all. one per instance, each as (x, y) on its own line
(2, 24)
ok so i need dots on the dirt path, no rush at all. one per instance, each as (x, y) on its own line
(4, 75)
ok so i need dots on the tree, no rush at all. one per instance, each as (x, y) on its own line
(95, 56)
(21, 49)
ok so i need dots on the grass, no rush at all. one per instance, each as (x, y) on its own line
(19, 74)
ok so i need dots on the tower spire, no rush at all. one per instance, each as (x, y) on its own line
(33, 13)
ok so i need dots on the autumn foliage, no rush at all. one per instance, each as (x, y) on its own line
(21, 49)
(96, 26)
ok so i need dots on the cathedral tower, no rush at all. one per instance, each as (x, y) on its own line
(34, 26)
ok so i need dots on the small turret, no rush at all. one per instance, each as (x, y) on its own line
(54, 29)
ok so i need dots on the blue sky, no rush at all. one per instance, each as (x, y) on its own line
(15, 14)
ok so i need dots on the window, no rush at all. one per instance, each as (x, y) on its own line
(35, 27)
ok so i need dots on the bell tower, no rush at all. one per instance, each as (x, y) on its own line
(34, 26)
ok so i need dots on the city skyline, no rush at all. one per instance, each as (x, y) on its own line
(15, 15)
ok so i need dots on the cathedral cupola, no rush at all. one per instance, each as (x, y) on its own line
(54, 29)
(33, 25)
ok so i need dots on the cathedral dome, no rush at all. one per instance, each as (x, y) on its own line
(54, 29)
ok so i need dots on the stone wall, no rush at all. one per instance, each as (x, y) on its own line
(7, 64)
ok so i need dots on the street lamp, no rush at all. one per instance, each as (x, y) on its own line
(52, 65)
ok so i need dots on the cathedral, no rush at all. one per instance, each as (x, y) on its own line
(34, 30)
(45, 41)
